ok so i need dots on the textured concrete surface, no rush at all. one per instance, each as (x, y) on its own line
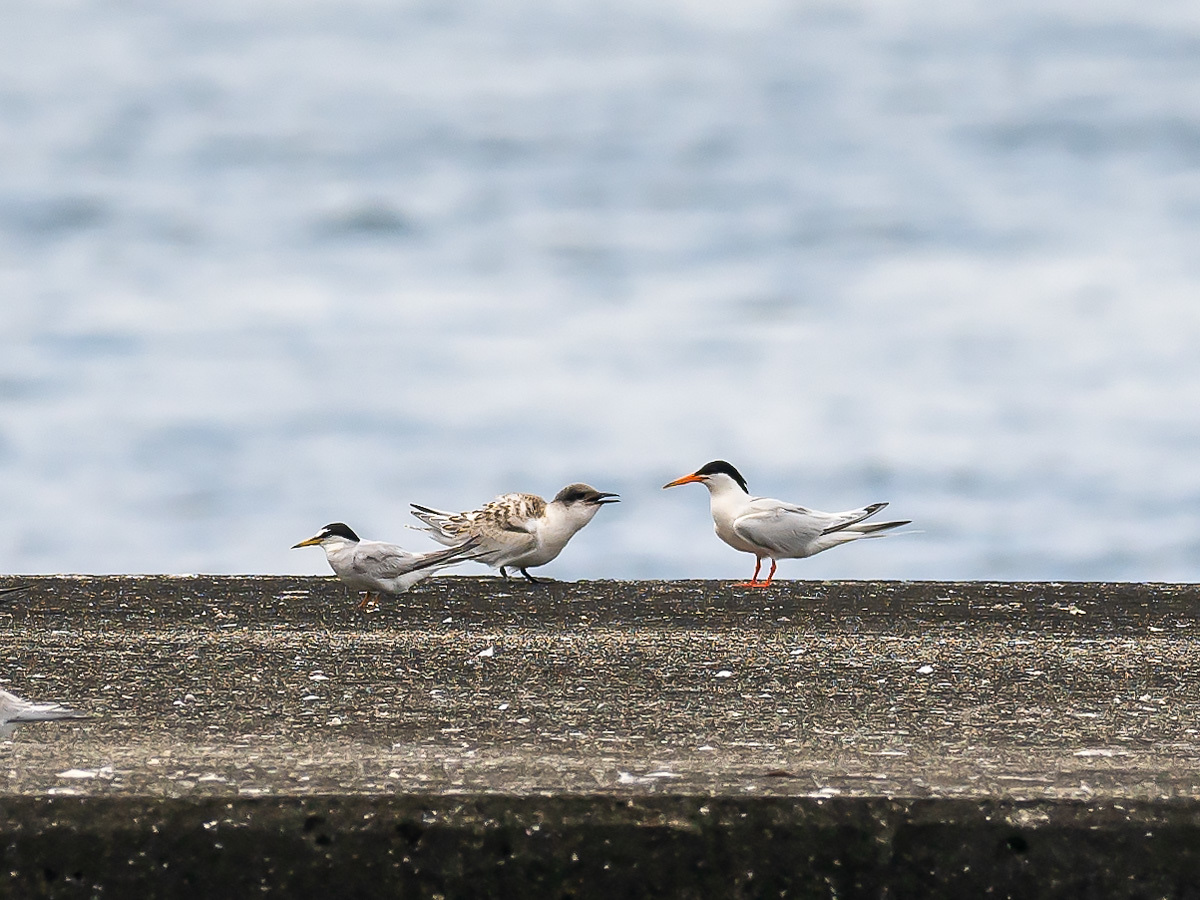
(596, 846)
(1024, 731)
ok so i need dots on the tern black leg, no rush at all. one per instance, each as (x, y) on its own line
(529, 577)
(504, 572)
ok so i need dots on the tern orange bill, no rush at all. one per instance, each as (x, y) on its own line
(774, 529)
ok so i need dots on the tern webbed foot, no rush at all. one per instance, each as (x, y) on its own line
(754, 582)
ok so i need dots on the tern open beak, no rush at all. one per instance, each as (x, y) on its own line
(311, 542)
(604, 497)
(686, 479)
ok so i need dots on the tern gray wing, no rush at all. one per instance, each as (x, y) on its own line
(384, 561)
(794, 531)
(467, 550)
(380, 560)
(782, 530)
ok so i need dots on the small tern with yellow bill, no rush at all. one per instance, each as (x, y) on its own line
(376, 567)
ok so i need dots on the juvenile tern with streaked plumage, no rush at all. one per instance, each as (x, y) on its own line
(377, 567)
(773, 529)
(518, 530)
(14, 710)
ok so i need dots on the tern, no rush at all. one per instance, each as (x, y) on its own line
(376, 567)
(518, 530)
(14, 710)
(773, 529)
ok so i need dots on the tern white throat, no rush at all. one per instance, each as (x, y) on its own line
(775, 529)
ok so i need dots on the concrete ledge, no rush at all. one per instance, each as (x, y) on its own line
(684, 739)
(596, 847)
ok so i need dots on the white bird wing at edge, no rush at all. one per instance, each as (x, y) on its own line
(42, 712)
(33, 712)
(14, 709)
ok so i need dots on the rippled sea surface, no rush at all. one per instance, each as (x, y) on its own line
(266, 266)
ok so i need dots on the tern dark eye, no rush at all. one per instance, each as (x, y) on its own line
(720, 467)
(575, 493)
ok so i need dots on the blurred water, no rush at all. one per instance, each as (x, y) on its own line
(263, 266)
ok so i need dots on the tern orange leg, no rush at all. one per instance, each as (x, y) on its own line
(367, 598)
(754, 582)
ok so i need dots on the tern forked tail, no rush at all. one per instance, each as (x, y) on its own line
(774, 529)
